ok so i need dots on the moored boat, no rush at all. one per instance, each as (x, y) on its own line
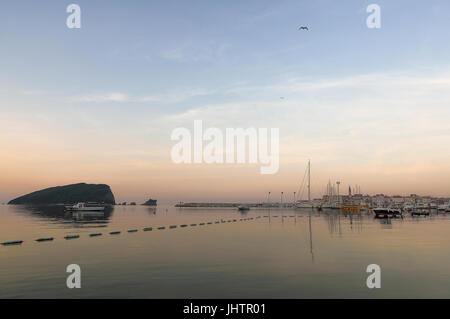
(86, 207)
(420, 212)
(383, 212)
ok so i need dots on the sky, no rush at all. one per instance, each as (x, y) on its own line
(98, 104)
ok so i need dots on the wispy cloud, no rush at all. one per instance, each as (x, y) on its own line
(196, 52)
(176, 96)
(108, 97)
(382, 118)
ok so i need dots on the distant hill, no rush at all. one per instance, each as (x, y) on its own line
(68, 194)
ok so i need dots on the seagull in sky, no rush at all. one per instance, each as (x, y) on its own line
(303, 28)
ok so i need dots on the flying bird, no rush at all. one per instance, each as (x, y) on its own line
(303, 28)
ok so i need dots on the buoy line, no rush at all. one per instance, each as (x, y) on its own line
(132, 230)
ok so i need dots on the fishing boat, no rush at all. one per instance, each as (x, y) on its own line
(91, 207)
(243, 207)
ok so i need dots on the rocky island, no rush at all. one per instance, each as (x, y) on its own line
(150, 202)
(68, 194)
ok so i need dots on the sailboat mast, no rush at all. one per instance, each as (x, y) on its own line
(309, 180)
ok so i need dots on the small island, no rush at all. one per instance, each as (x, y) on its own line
(68, 194)
(150, 202)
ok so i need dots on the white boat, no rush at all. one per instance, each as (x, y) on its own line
(90, 207)
(304, 204)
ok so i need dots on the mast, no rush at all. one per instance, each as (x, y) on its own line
(309, 180)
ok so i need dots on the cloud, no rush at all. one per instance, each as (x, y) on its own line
(176, 96)
(196, 52)
(108, 97)
(353, 120)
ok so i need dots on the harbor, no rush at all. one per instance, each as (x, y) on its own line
(354, 201)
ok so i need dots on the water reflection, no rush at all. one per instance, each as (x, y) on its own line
(56, 214)
(310, 240)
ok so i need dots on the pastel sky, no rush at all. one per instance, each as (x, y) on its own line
(98, 104)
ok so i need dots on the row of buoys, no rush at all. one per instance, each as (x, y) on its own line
(12, 242)
(72, 236)
(95, 234)
(44, 239)
(117, 232)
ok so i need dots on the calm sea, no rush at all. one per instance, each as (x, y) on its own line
(291, 254)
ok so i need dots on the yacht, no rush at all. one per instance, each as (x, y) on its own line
(86, 207)
(306, 203)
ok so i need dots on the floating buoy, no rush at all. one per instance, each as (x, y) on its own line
(115, 232)
(132, 230)
(44, 239)
(173, 226)
(148, 229)
(71, 236)
(184, 225)
(12, 242)
(95, 234)
(161, 228)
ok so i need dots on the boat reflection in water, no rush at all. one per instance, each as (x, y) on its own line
(88, 215)
(57, 214)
